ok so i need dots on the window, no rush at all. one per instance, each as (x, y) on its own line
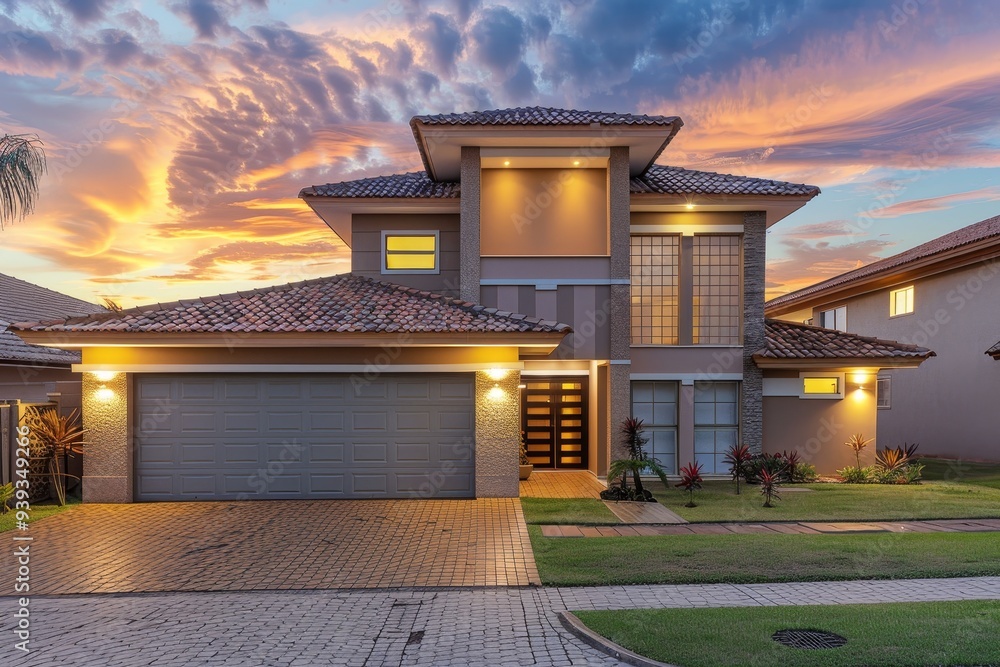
(821, 385)
(901, 301)
(716, 423)
(410, 252)
(716, 283)
(655, 264)
(883, 392)
(655, 403)
(835, 318)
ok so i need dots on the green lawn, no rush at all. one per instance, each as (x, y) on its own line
(919, 633)
(9, 520)
(838, 502)
(982, 474)
(687, 559)
(577, 511)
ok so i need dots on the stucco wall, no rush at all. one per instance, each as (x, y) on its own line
(366, 249)
(818, 428)
(107, 463)
(498, 433)
(539, 212)
(949, 404)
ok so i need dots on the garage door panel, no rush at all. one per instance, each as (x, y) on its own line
(413, 452)
(413, 421)
(303, 436)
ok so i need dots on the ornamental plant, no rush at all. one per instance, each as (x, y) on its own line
(769, 487)
(637, 463)
(56, 436)
(690, 481)
(858, 443)
(737, 457)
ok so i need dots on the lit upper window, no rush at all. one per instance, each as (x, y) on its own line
(901, 301)
(410, 252)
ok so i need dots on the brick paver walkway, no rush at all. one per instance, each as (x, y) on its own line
(478, 628)
(561, 484)
(636, 512)
(790, 528)
(280, 545)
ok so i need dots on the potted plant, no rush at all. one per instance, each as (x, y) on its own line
(525, 467)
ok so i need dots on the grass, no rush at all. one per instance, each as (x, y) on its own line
(577, 511)
(917, 633)
(689, 559)
(8, 521)
(717, 501)
(949, 470)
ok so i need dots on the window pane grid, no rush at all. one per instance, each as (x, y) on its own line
(716, 290)
(655, 264)
(716, 424)
(655, 403)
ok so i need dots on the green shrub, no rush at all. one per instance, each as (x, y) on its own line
(856, 475)
(803, 473)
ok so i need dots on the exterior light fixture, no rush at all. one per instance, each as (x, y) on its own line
(496, 393)
(105, 376)
(496, 374)
(506, 163)
(689, 206)
(860, 379)
(104, 394)
(576, 163)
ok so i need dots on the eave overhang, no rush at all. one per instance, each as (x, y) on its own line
(839, 364)
(337, 212)
(776, 208)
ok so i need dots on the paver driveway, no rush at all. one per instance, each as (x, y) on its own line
(280, 545)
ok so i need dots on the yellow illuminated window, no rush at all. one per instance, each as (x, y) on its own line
(901, 301)
(829, 385)
(411, 252)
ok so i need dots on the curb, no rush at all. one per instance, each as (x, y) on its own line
(570, 621)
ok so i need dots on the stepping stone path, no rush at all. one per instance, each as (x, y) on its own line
(787, 528)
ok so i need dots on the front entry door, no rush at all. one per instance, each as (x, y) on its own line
(554, 421)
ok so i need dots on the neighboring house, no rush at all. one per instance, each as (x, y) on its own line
(944, 294)
(542, 274)
(31, 373)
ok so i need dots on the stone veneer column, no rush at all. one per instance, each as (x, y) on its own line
(498, 435)
(620, 395)
(754, 265)
(469, 265)
(107, 459)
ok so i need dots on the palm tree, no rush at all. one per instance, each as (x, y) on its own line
(22, 163)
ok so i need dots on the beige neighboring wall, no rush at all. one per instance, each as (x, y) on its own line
(539, 212)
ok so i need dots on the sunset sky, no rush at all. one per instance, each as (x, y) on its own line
(179, 133)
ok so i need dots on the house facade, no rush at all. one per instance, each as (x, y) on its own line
(943, 294)
(541, 274)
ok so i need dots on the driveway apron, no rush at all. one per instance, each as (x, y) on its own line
(280, 545)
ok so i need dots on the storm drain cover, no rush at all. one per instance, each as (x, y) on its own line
(812, 639)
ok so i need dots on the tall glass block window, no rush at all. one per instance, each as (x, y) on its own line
(716, 423)
(655, 263)
(717, 289)
(655, 403)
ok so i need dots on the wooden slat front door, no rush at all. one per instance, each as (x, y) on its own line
(554, 420)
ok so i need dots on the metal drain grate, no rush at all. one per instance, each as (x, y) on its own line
(811, 639)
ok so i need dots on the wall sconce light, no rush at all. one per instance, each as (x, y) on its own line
(104, 394)
(860, 379)
(496, 393)
(496, 374)
(105, 376)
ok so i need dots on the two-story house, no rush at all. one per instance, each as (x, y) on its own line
(542, 273)
(943, 294)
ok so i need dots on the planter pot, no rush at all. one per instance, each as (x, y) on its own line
(525, 471)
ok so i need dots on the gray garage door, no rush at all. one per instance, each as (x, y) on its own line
(202, 437)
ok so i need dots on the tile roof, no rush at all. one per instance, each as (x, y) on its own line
(658, 179)
(414, 184)
(15, 351)
(542, 116)
(994, 351)
(21, 300)
(980, 231)
(789, 340)
(337, 304)
(661, 179)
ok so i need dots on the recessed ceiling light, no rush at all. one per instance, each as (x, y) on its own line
(576, 163)
(506, 163)
(690, 206)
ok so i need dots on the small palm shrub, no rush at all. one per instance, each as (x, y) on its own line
(690, 481)
(895, 466)
(637, 463)
(737, 457)
(769, 487)
(57, 436)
